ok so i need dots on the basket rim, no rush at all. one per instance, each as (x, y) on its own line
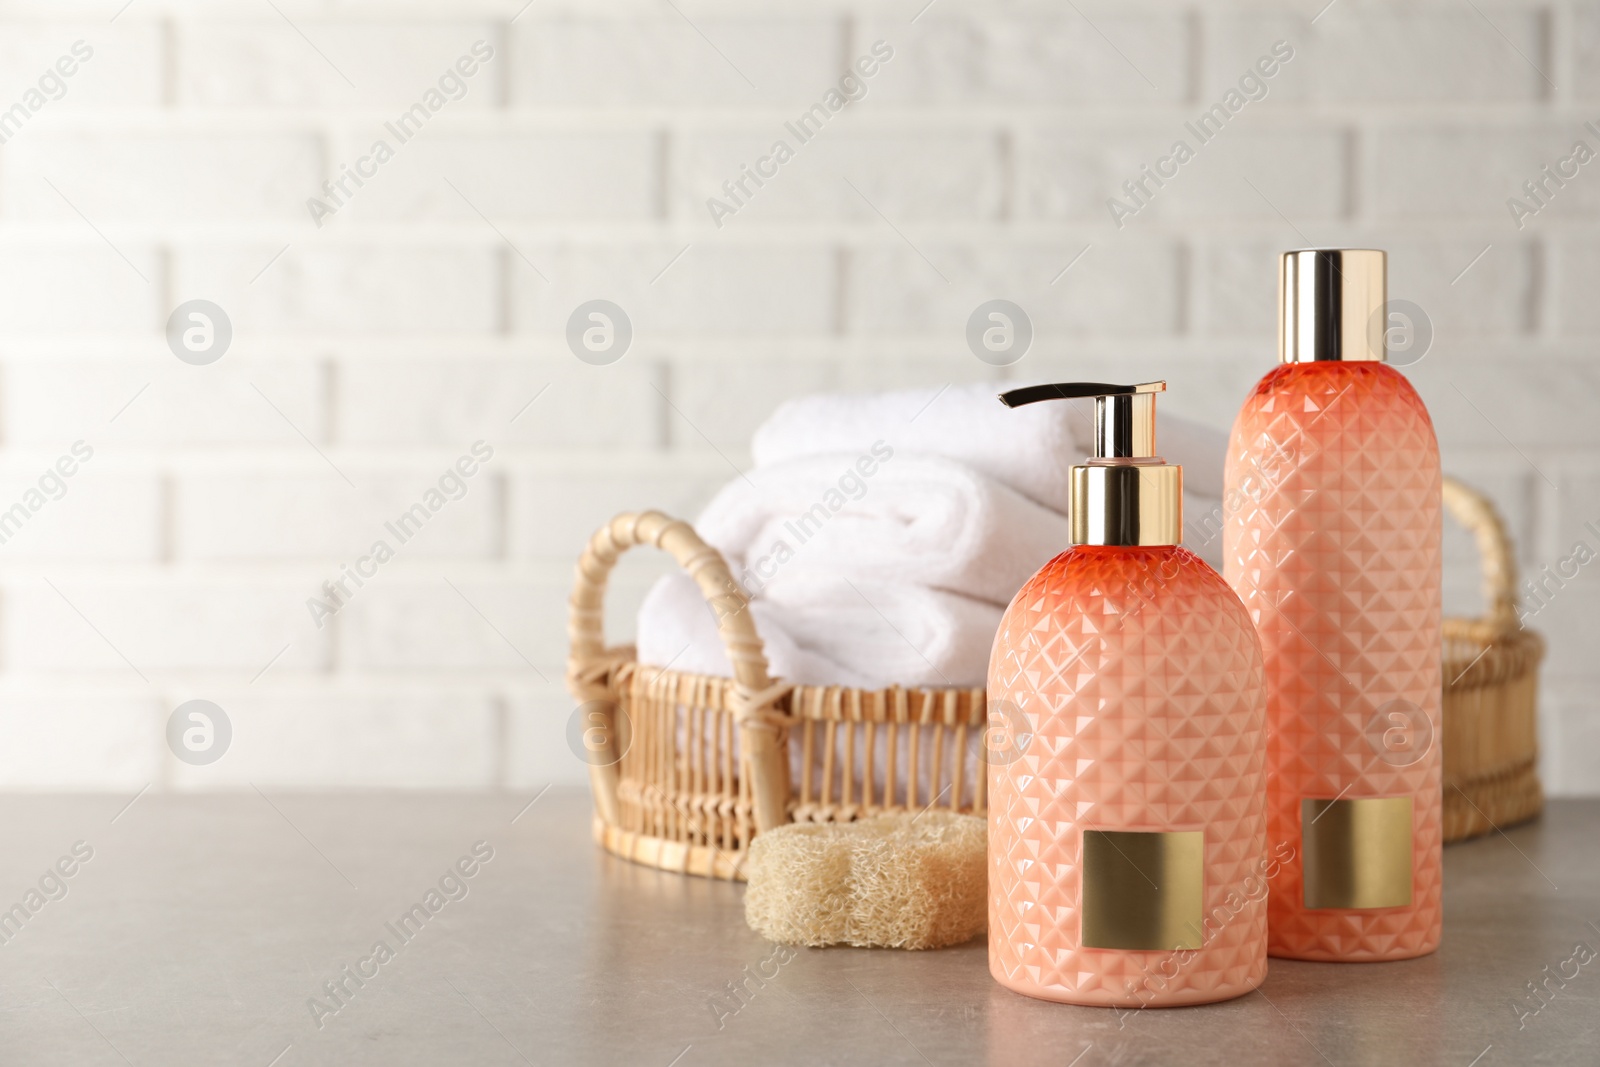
(952, 705)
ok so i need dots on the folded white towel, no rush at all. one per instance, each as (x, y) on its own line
(821, 630)
(677, 629)
(891, 633)
(1029, 449)
(894, 519)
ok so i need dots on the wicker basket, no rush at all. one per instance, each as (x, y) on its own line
(686, 768)
(683, 794)
(1491, 675)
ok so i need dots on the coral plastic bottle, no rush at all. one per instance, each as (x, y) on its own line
(1333, 543)
(1127, 836)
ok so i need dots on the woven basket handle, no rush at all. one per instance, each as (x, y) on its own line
(1474, 511)
(755, 694)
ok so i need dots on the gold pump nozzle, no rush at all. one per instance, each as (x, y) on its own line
(1125, 494)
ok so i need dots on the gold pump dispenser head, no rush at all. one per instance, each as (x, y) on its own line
(1125, 494)
(1331, 305)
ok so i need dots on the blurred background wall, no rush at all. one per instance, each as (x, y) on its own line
(376, 338)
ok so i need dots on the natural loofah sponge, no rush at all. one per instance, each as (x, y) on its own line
(891, 881)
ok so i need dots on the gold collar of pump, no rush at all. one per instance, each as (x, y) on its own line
(1127, 504)
(1126, 494)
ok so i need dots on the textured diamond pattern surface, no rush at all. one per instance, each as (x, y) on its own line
(1142, 679)
(1334, 548)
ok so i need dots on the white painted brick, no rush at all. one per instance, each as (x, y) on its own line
(522, 628)
(159, 624)
(1236, 285)
(105, 510)
(1548, 403)
(91, 742)
(414, 625)
(1235, 292)
(1577, 509)
(1461, 598)
(159, 400)
(1298, 171)
(1001, 58)
(266, 63)
(712, 289)
(1495, 295)
(719, 403)
(1374, 52)
(554, 511)
(1570, 623)
(869, 370)
(73, 286)
(659, 60)
(537, 750)
(123, 69)
(367, 289)
(1549, 741)
(319, 740)
(246, 515)
(1416, 172)
(569, 176)
(1585, 45)
(1119, 287)
(1577, 279)
(1570, 737)
(174, 177)
(908, 176)
(551, 400)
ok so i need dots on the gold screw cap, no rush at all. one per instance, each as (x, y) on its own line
(1331, 305)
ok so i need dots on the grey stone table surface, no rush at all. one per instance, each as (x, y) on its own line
(208, 929)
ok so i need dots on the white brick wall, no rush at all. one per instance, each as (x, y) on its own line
(429, 312)
(266, 64)
(182, 176)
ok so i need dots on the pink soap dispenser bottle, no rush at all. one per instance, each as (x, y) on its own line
(1332, 539)
(1127, 832)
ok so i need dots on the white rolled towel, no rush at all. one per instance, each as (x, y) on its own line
(888, 632)
(677, 629)
(1030, 448)
(889, 518)
(828, 630)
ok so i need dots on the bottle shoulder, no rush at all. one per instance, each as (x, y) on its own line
(1362, 380)
(1147, 619)
(1105, 579)
(1326, 399)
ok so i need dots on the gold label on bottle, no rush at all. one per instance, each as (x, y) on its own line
(1143, 889)
(1357, 852)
